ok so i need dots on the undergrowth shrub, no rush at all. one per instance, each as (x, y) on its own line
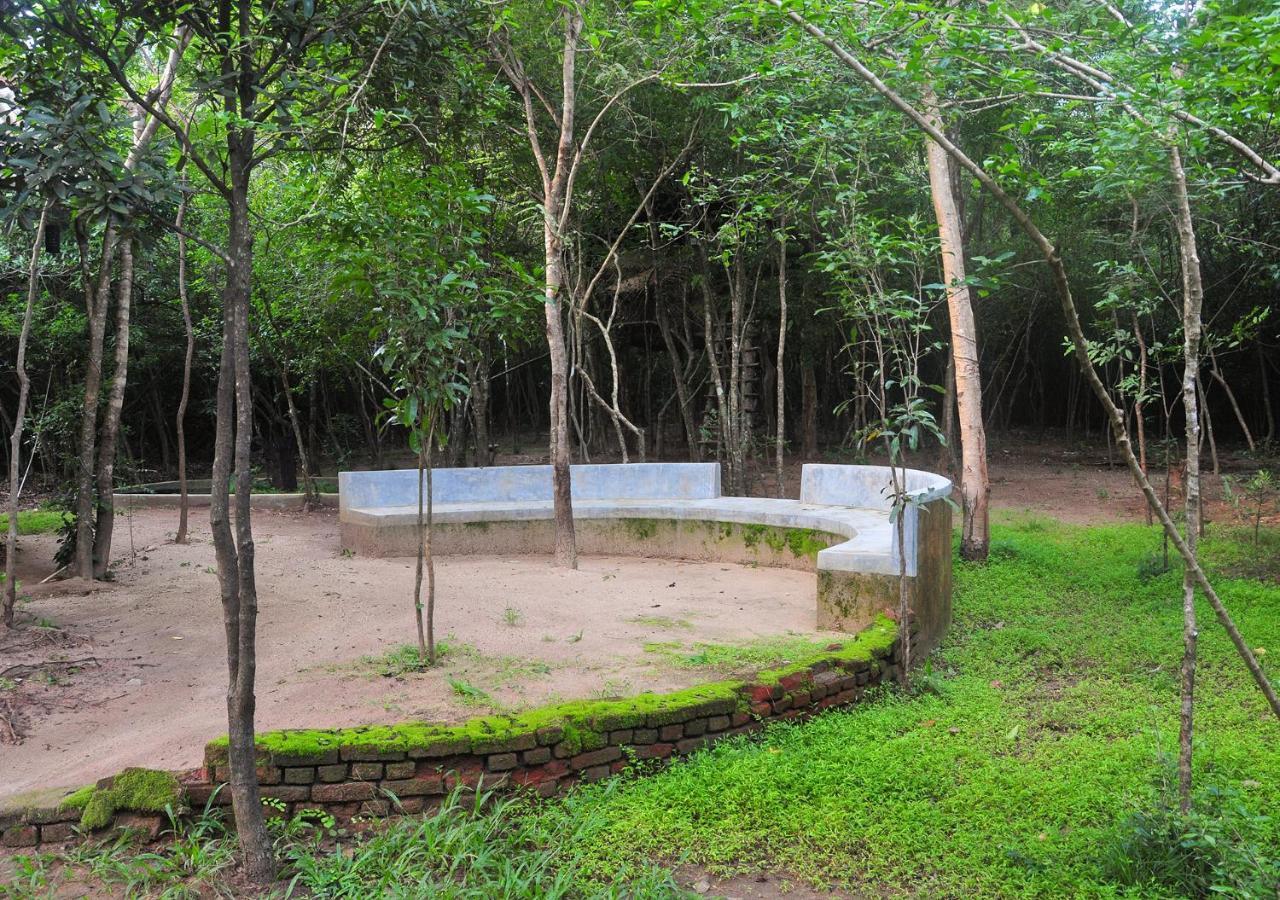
(1221, 847)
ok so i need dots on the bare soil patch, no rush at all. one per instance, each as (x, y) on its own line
(150, 687)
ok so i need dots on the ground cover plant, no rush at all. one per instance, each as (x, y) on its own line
(1033, 759)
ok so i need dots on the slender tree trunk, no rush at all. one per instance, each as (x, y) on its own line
(234, 551)
(975, 487)
(1231, 397)
(97, 299)
(780, 438)
(189, 330)
(19, 419)
(308, 481)
(809, 412)
(1138, 410)
(480, 407)
(111, 418)
(422, 555)
(1270, 416)
(430, 558)
(1192, 302)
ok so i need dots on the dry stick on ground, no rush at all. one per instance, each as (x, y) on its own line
(1074, 329)
(183, 502)
(19, 422)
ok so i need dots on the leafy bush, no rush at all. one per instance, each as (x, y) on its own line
(1220, 847)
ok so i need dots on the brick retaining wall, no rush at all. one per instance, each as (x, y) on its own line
(378, 771)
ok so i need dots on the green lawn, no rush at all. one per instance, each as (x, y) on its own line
(1044, 725)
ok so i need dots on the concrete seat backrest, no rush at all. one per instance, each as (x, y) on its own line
(865, 487)
(531, 484)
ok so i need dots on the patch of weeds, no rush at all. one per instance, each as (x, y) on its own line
(512, 617)
(758, 653)
(660, 622)
(469, 694)
(8, 684)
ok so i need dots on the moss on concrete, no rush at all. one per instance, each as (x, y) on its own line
(640, 529)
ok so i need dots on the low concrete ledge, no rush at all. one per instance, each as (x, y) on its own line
(127, 501)
(839, 527)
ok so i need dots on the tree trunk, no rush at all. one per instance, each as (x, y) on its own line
(975, 488)
(480, 408)
(1270, 416)
(181, 418)
(421, 523)
(111, 419)
(235, 552)
(1192, 302)
(19, 419)
(1138, 411)
(780, 437)
(97, 298)
(1231, 398)
(809, 412)
(308, 481)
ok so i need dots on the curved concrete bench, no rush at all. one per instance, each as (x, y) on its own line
(839, 527)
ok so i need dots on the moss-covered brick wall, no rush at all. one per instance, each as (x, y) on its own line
(381, 770)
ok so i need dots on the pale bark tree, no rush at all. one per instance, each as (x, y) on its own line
(975, 486)
(10, 598)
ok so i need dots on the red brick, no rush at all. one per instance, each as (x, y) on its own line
(717, 723)
(595, 758)
(332, 774)
(622, 736)
(800, 698)
(688, 745)
(671, 732)
(644, 736)
(503, 762)
(781, 706)
(57, 832)
(536, 756)
(289, 793)
(366, 771)
(376, 808)
(342, 793)
(761, 692)
(791, 682)
(739, 719)
(269, 774)
(695, 727)
(598, 773)
(415, 787)
(655, 751)
(299, 775)
(20, 836)
(761, 709)
(397, 770)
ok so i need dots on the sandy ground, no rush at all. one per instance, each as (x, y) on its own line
(142, 678)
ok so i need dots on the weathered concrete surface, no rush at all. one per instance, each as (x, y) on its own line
(839, 527)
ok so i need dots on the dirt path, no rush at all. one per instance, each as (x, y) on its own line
(149, 684)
